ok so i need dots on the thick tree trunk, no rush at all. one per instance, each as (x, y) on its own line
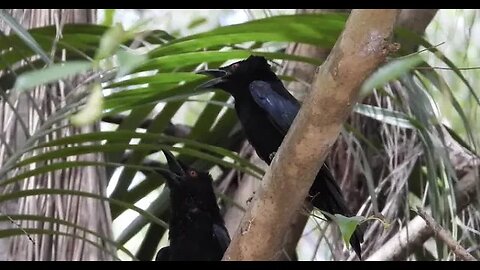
(248, 185)
(35, 106)
(305, 73)
(313, 132)
(349, 176)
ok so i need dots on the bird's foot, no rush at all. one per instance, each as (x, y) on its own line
(271, 156)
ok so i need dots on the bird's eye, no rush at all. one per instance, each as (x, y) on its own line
(193, 173)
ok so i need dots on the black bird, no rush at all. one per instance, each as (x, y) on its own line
(197, 230)
(266, 110)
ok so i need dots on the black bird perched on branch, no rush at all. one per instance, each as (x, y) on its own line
(266, 110)
(197, 230)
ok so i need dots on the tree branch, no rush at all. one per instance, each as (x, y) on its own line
(417, 232)
(415, 20)
(305, 74)
(443, 235)
(360, 49)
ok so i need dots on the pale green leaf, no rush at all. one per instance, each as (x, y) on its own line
(413, 201)
(347, 225)
(128, 61)
(110, 41)
(109, 15)
(51, 73)
(389, 72)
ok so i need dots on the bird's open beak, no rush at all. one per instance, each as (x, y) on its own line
(175, 172)
(218, 77)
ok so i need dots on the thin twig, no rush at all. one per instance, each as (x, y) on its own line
(443, 235)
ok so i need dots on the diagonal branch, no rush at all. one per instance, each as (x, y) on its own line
(416, 232)
(443, 235)
(361, 48)
(415, 20)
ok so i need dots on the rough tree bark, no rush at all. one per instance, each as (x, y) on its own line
(35, 106)
(415, 20)
(360, 49)
(305, 74)
(247, 184)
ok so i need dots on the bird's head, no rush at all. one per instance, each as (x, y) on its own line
(237, 76)
(186, 184)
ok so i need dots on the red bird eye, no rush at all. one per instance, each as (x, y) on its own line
(234, 66)
(193, 173)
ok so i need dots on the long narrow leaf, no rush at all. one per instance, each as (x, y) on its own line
(384, 115)
(69, 224)
(51, 191)
(318, 29)
(24, 35)
(14, 232)
(108, 135)
(52, 73)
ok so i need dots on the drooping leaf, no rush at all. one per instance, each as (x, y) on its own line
(111, 40)
(92, 110)
(347, 225)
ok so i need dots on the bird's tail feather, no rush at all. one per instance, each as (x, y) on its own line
(327, 196)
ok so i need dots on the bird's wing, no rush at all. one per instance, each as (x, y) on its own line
(222, 236)
(280, 106)
(163, 254)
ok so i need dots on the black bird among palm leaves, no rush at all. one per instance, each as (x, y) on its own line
(266, 110)
(197, 230)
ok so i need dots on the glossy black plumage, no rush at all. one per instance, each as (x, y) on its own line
(266, 110)
(197, 230)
